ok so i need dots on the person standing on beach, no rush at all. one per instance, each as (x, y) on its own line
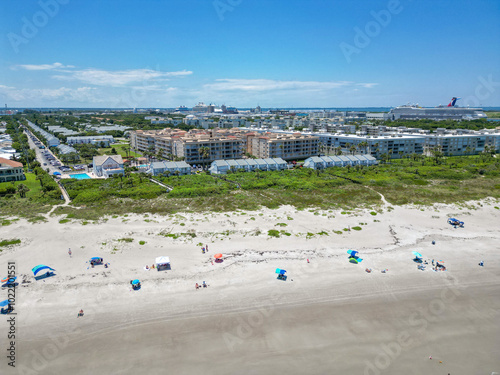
(206, 248)
(69, 252)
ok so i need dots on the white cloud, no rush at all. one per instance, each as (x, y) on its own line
(118, 78)
(269, 84)
(80, 94)
(43, 66)
(367, 85)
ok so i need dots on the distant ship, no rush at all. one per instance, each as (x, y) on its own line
(182, 109)
(450, 112)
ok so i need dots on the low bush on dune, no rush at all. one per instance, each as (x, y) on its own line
(14, 241)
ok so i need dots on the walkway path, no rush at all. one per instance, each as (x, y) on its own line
(169, 188)
(384, 201)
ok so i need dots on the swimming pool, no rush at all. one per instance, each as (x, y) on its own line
(80, 176)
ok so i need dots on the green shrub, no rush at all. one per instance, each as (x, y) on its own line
(273, 233)
(14, 241)
(126, 239)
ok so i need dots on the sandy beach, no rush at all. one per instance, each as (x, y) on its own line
(329, 316)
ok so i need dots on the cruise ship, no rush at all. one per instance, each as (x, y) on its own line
(182, 109)
(451, 112)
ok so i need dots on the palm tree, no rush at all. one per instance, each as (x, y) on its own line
(204, 152)
(468, 150)
(39, 178)
(322, 148)
(141, 176)
(352, 149)
(22, 189)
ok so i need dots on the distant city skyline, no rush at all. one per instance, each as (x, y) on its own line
(279, 54)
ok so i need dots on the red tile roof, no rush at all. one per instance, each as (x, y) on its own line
(11, 163)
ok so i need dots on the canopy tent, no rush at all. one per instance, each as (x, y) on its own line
(218, 256)
(4, 303)
(354, 260)
(41, 267)
(352, 253)
(162, 261)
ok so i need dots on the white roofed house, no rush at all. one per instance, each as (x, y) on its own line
(321, 162)
(171, 167)
(247, 165)
(107, 165)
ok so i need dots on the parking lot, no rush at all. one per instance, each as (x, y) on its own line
(48, 160)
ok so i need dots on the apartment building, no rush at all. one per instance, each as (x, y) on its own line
(454, 144)
(92, 139)
(219, 147)
(394, 145)
(285, 146)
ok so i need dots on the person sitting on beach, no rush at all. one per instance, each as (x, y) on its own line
(80, 313)
(197, 286)
(147, 267)
(106, 265)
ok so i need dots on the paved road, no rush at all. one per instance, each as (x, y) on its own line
(40, 156)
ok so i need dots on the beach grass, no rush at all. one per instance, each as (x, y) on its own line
(405, 181)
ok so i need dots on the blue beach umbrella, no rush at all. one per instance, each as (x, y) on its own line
(417, 254)
(4, 303)
(40, 268)
(135, 282)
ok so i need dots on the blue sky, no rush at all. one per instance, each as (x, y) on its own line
(293, 53)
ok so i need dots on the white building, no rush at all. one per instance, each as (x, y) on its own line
(172, 167)
(247, 165)
(322, 162)
(107, 165)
